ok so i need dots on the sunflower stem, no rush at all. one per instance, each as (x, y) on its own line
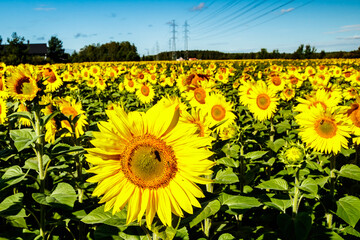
(39, 155)
(155, 236)
(207, 221)
(242, 169)
(329, 216)
(272, 130)
(295, 205)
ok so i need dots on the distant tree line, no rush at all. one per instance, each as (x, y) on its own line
(16, 51)
(302, 52)
(112, 51)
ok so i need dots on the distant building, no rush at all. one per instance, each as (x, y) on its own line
(35, 49)
(38, 49)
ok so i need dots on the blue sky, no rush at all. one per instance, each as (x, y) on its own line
(228, 26)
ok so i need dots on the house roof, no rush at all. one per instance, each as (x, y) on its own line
(37, 49)
(34, 48)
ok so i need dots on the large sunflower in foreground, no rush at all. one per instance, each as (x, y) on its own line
(22, 84)
(149, 161)
(325, 131)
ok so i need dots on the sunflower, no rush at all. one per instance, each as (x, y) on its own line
(70, 108)
(199, 119)
(319, 97)
(52, 80)
(244, 92)
(67, 76)
(149, 161)
(145, 93)
(219, 112)
(95, 70)
(130, 84)
(100, 82)
(2, 68)
(262, 102)
(23, 121)
(3, 111)
(3, 92)
(324, 130)
(355, 78)
(91, 82)
(354, 115)
(50, 126)
(288, 93)
(228, 132)
(22, 84)
(350, 93)
(276, 81)
(292, 154)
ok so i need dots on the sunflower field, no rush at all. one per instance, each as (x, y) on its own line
(249, 149)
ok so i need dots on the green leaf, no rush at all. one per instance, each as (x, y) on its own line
(40, 198)
(226, 236)
(309, 185)
(25, 114)
(63, 196)
(255, 155)
(348, 209)
(182, 233)
(12, 176)
(347, 152)
(229, 162)
(11, 205)
(303, 224)
(231, 150)
(274, 184)
(210, 209)
(276, 145)
(279, 202)
(352, 231)
(350, 171)
(99, 216)
(62, 148)
(238, 202)
(283, 126)
(47, 118)
(226, 176)
(23, 138)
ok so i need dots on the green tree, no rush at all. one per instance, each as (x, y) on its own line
(309, 52)
(56, 52)
(299, 53)
(16, 51)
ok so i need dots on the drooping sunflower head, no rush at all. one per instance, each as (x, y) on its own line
(22, 83)
(71, 109)
(199, 119)
(150, 162)
(52, 80)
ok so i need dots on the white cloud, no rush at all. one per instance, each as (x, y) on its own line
(287, 10)
(199, 7)
(44, 9)
(350, 38)
(347, 28)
